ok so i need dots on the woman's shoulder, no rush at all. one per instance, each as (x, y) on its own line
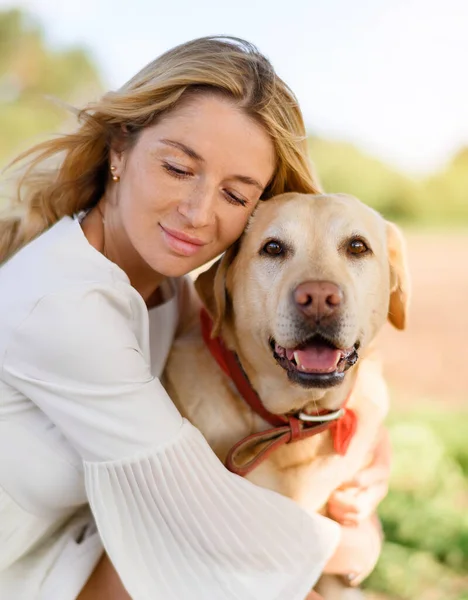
(60, 256)
(59, 275)
(59, 260)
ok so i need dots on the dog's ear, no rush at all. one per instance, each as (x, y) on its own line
(211, 286)
(399, 277)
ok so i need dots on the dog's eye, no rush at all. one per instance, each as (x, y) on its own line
(357, 246)
(273, 248)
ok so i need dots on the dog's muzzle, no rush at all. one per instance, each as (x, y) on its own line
(315, 363)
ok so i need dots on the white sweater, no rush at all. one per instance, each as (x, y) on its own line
(85, 422)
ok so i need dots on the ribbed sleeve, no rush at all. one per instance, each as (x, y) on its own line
(178, 525)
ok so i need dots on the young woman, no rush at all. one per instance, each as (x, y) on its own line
(160, 177)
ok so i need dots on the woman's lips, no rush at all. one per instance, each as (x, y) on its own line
(180, 242)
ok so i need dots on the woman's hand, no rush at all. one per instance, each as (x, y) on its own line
(357, 552)
(356, 500)
(354, 505)
(314, 596)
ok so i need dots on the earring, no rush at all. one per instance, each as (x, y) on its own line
(114, 176)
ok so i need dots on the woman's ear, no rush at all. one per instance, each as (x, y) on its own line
(119, 145)
(212, 289)
(399, 277)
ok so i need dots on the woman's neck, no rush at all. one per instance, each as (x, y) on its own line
(103, 234)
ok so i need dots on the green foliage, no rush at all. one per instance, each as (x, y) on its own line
(441, 199)
(31, 74)
(404, 574)
(343, 168)
(448, 188)
(425, 515)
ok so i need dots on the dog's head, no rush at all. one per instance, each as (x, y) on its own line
(304, 292)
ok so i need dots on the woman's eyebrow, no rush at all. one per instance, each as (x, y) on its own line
(188, 151)
(249, 181)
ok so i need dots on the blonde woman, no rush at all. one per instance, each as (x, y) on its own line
(160, 177)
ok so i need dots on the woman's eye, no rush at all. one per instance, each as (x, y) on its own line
(357, 246)
(233, 199)
(175, 171)
(273, 248)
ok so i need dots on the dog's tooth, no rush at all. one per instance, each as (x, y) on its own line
(296, 358)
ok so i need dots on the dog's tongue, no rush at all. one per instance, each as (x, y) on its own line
(317, 359)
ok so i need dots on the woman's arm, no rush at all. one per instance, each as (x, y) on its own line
(174, 522)
(354, 506)
(358, 551)
(356, 500)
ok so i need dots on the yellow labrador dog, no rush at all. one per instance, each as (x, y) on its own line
(279, 374)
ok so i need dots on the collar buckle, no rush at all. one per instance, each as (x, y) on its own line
(331, 416)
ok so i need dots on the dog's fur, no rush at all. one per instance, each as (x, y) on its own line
(249, 296)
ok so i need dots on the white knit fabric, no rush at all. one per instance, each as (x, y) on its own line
(83, 418)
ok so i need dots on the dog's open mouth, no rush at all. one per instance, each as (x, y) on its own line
(315, 363)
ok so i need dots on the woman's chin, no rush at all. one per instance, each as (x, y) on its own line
(171, 266)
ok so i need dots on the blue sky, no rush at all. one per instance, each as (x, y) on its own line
(387, 75)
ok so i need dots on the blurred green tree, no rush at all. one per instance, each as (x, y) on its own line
(444, 196)
(31, 72)
(343, 168)
(440, 199)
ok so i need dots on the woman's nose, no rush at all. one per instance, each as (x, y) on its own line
(199, 208)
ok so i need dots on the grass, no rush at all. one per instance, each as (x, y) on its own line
(425, 516)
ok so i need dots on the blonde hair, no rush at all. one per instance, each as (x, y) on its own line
(224, 65)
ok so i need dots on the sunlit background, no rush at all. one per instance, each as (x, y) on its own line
(384, 89)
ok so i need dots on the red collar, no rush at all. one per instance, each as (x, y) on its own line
(286, 428)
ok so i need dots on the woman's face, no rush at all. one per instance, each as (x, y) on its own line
(189, 184)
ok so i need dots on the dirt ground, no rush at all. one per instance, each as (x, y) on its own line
(428, 362)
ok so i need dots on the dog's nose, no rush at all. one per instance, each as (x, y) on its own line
(318, 298)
